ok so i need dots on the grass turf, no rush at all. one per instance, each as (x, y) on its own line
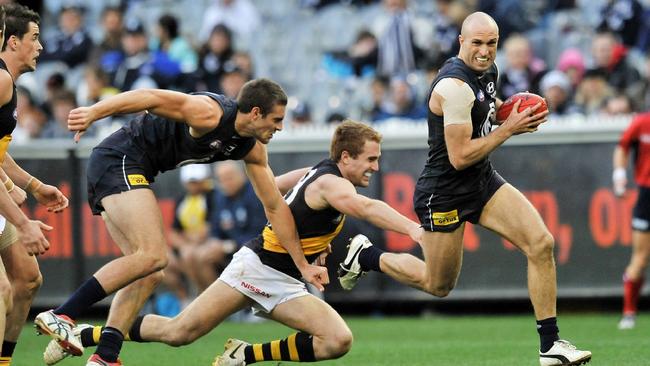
(434, 340)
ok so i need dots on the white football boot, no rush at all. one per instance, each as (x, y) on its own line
(627, 322)
(565, 354)
(54, 353)
(233, 354)
(349, 271)
(60, 328)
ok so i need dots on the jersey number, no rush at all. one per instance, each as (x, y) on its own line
(291, 195)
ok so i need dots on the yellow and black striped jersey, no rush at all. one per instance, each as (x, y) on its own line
(316, 228)
(8, 118)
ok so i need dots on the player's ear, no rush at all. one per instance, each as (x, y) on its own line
(345, 156)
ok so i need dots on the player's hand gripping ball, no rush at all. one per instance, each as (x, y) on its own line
(527, 100)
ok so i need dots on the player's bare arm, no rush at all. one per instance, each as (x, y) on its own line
(287, 180)
(199, 111)
(619, 173)
(339, 193)
(47, 195)
(17, 194)
(454, 99)
(279, 214)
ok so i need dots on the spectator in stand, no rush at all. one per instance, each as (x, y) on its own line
(140, 68)
(301, 115)
(54, 84)
(592, 93)
(171, 42)
(523, 71)
(62, 103)
(231, 83)
(402, 38)
(374, 100)
(232, 14)
(618, 105)
(190, 231)
(572, 63)
(97, 87)
(237, 217)
(108, 50)
(448, 19)
(71, 44)
(244, 62)
(360, 59)
(215, 57)
(555, 87)
(624, 18)
(403, 103)
(31, 118)
(610, 57)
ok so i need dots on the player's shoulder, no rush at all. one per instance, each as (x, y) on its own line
(6, 87)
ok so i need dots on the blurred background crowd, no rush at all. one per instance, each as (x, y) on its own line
(371, 60)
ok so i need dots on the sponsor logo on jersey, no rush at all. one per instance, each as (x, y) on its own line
(229, 149)
(255, 289)
(444, 218)
(490, 89)
(137, 180)
(480, 96)
(15, 114)
(216, 144)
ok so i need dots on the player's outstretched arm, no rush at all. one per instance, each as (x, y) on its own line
(198, 111)
(279, 214)
(341, 194)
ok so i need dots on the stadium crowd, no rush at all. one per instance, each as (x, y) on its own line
(584, 58)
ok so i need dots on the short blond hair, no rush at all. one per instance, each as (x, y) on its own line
(351, 136)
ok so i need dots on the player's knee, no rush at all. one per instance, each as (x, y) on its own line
(340, 343)
(153, 261)
(182, 336)
(28, 283)
(440, 289)
(542, 247)
(6, 295)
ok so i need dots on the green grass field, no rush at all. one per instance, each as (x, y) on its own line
(435, 340)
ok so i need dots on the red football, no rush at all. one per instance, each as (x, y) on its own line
(527, 100)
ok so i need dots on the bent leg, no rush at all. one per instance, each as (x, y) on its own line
(25, 278)
(143, 243)
(331, 336)
(202, 315)
(438, 273)
(5, 303)
(511, 215)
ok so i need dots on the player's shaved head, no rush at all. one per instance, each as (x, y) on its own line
(478, 22)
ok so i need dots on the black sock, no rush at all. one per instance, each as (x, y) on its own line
(369, 259)
(90, 336)
(548, 333)
(8, 349)
(110, 344)
(86, 295)
(134, 332)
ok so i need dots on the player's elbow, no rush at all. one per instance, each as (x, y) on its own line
(458, 162)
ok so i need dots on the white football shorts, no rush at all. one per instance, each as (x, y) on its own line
(266, 286)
